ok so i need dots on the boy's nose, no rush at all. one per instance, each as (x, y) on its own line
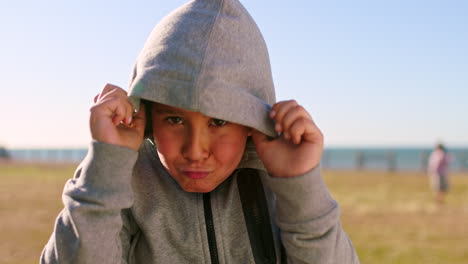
(196, 145)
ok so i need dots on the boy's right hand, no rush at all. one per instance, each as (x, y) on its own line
(112, 119)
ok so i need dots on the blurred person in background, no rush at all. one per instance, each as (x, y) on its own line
(438, 167)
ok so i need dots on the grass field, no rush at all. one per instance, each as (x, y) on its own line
(390, 217)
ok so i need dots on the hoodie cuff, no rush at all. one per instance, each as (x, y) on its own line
(301, 198)
(107, 167)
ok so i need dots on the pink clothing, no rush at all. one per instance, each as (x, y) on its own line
(439, 162)
(438, 166)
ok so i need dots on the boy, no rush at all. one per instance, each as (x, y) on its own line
(222, 177)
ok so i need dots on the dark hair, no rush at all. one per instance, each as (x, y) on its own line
(149, 121)
(441, 147)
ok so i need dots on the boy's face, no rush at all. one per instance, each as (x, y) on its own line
(198, 151)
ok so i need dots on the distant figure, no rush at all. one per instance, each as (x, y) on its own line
(438, 166)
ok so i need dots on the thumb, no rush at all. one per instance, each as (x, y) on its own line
(259, 139)
(141, 114)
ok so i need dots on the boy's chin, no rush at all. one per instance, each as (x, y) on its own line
(198, 186)
(192, 189)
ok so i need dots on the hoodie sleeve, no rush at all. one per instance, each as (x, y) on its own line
(91, 228)
(308, 218)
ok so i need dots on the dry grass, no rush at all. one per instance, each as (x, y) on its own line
(30, 199)
(390, 217)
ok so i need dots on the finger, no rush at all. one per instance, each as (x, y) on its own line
(297, 130)
(278, 112)
(294, 113)
(96, 98)
(305, 130)
(259, 139)
(118, 109)
(120, 113)
(128, 108)
(275, 108)
(139, 119)
(117, 93)
(110, 88)
(129, 111)
(107, 88)
(313, 133)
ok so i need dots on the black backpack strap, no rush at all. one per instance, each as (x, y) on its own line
(257, 216)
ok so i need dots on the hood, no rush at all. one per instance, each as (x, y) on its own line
(208, 56)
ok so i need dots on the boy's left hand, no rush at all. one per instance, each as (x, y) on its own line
(298, 149)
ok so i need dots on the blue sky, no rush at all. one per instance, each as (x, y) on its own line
(372, 73)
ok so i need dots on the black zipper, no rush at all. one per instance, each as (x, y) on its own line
(210, 231)
(257, 216)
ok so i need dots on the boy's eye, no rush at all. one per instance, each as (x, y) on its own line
(175, 120)
(218, 122)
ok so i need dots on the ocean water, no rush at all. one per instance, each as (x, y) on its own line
(333, 158)
(48, 155)
(388, 158)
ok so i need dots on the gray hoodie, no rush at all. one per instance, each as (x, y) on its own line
(122, 206)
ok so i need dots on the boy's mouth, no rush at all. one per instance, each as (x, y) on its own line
(193, 174)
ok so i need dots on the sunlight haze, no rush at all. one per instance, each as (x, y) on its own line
(371, 73)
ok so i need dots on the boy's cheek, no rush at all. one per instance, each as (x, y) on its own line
(166, 143)
(166, 147)
(230, 151)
